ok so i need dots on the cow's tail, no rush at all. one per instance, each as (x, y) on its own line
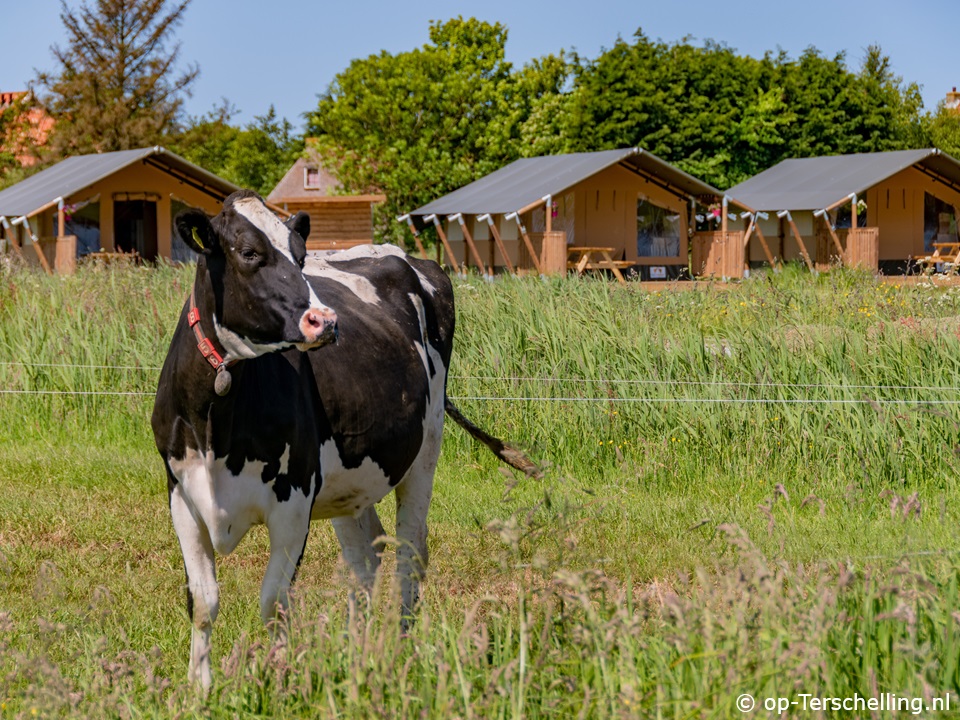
(510, 455)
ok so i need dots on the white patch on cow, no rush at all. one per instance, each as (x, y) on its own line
(357, 284)
(277, 233)
(238, 347)
(367, 251)
(269, 224)
(228, 505)
(285, 465)
(374, 252)
(422, 342)
(347, 491)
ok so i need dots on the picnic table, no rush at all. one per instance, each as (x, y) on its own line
(945, 253)
(582, 258)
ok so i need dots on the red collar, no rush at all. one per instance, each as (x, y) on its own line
(209, 352)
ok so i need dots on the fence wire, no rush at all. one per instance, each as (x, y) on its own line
(642, 382)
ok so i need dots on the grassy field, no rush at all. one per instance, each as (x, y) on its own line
(748, 489)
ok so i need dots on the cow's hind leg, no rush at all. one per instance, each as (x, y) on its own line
(203, 594)
(288, 525)
(413, 502)
(357, 536)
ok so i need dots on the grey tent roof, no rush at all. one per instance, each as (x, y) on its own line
(820, 182)
(72, 175)
(525, 181)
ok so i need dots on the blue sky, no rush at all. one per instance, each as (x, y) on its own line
(286, 52)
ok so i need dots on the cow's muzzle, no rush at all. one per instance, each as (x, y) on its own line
(319, 327)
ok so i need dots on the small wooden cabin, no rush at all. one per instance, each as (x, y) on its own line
(528, 214)
(117, 202)
(905, 202)
(337, 221)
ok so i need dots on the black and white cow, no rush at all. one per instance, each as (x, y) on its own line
(254, 430)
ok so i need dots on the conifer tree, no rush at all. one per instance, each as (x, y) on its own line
(117, 85)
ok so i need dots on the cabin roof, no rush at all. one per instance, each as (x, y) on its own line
(527, 180)
(822, 182)
(72, 175)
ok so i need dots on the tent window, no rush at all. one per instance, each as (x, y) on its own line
(939, 221)
(83, 222)
(658, 230)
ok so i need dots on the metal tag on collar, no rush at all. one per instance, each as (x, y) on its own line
(221, 386)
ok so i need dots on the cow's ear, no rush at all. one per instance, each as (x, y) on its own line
(300, 224)
(195, 230)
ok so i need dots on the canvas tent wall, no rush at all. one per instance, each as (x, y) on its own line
(626, 199)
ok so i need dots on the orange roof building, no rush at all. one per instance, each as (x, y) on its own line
(30, 129)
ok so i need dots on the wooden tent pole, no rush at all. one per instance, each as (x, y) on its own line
(842, 201)
(750, 228)
(836, 240)
(6, 230)
(798, 237)
(443, 239)
(36, 243)
(469, 238)
(766, 248)
(416, 235)
(500, 245)
(548, 199)
(723, 216)
(853, 211)
(755, 227)
(526, 239)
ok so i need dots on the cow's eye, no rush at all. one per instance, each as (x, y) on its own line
(248, 254)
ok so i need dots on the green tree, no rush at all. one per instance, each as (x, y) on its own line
(254, 157)
(681, 102)
(117, 85)
(725, 117)
(941, 129)
(421, 123)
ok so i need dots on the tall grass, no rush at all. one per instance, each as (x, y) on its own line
(750, 489)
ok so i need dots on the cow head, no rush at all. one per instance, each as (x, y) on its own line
(261, 299)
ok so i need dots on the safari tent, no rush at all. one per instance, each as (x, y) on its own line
(536, 213)
(117, 202)
(907, 203)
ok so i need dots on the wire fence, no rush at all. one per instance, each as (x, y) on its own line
(546, 380)
(608, 382)
(595, 382)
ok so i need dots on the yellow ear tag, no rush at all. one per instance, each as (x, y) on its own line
(196, 238)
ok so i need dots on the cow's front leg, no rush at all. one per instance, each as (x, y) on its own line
(357, 536)
(203, 594)
(288, 525)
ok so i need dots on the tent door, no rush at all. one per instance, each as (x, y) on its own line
(135, 227)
